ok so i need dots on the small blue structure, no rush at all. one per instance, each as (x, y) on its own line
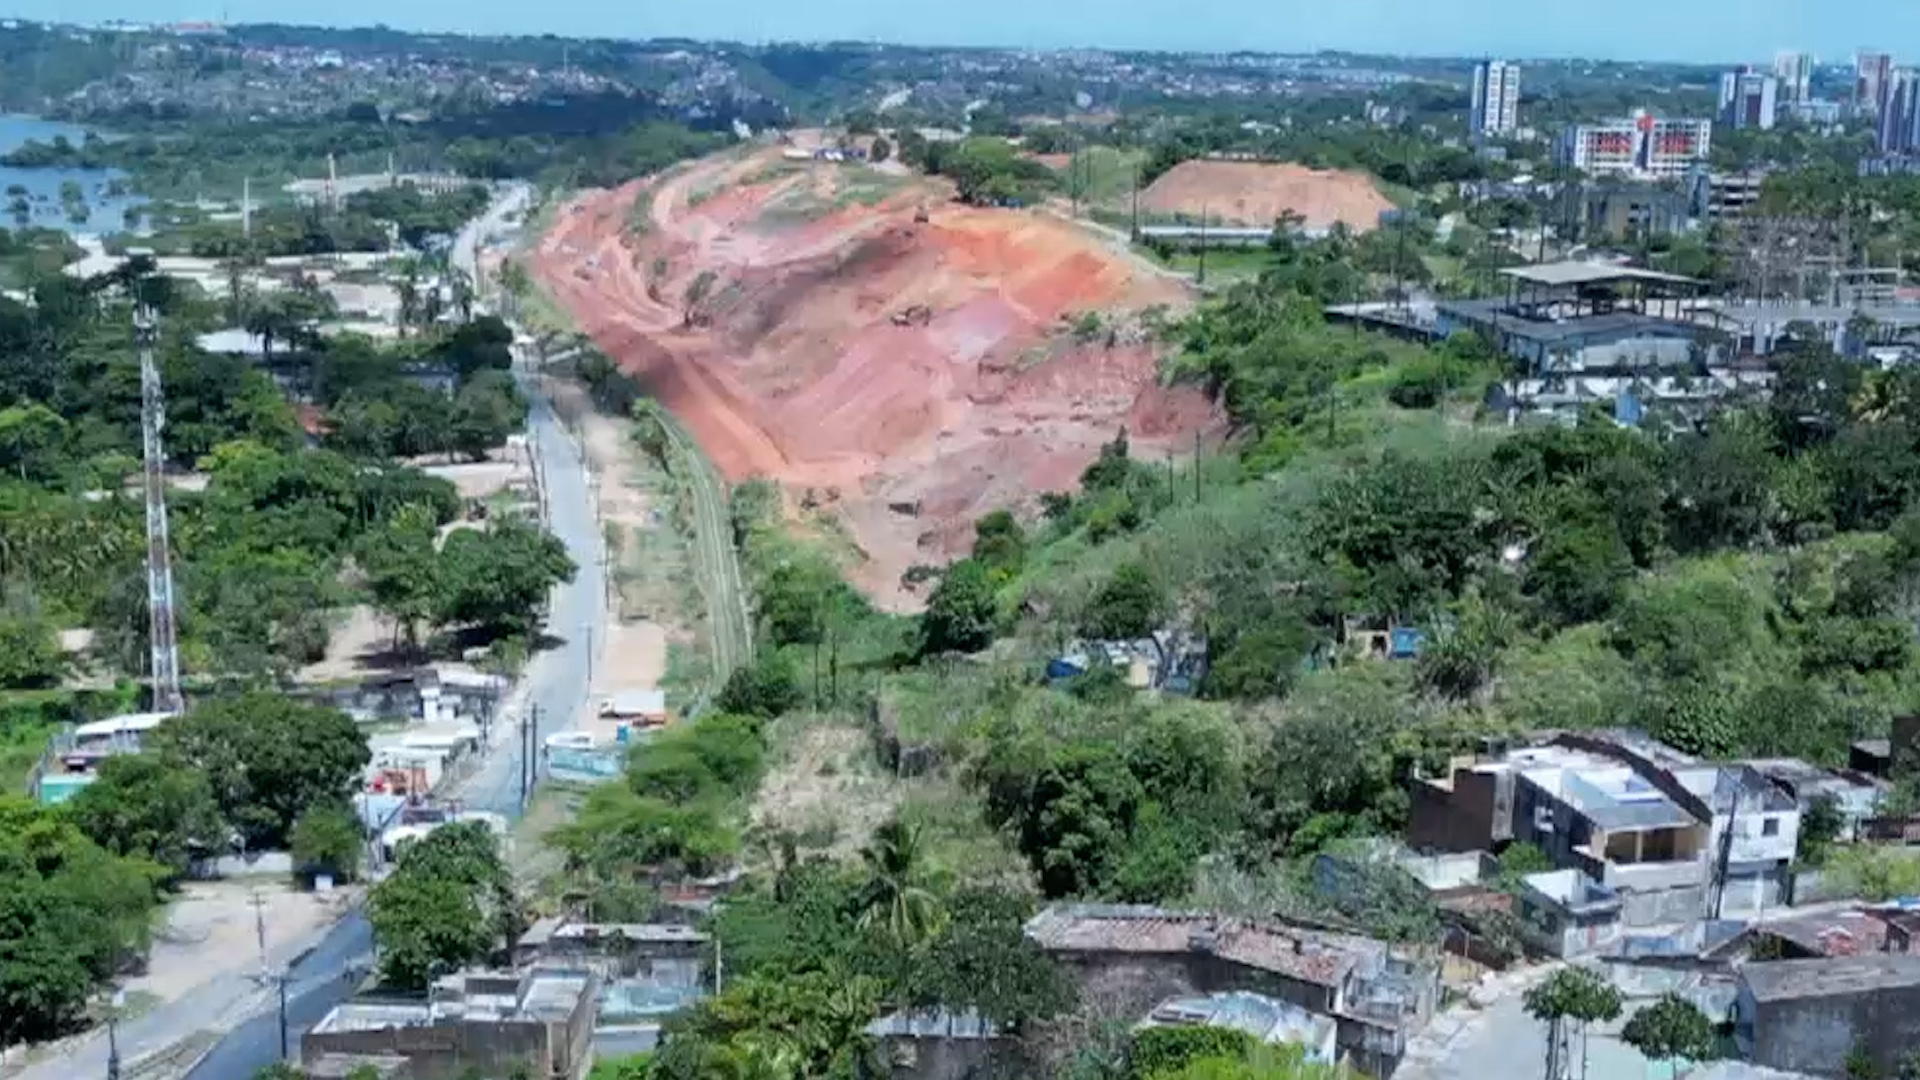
(1627, 410)
(1404, 643)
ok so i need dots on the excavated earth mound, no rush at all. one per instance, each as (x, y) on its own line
(1256, 193)
(882, 352)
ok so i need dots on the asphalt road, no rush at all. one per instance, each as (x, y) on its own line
(557, 688)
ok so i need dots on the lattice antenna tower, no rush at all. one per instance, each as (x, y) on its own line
(163, 633)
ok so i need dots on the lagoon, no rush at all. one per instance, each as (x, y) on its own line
(106, 213)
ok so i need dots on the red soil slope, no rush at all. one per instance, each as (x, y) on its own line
(1255, 193)
(800, 370)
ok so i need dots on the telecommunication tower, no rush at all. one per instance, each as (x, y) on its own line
(163, 633)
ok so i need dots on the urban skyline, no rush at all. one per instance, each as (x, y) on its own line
(1694, 31)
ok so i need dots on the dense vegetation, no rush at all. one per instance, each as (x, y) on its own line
(279, 537)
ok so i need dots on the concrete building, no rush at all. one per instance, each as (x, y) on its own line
(1856, 794)
(1130, 958)
(1579, 318)
(940, 1045)
(1749, 99)
(1568, 914)
(1719, 196)
(1641, 145)
(1675, 838)
(1496, 99)
(1810, 1015)
(1897, 119)
(1872, 73)
(1794, 70)
(1616, 208)
(487, 1021)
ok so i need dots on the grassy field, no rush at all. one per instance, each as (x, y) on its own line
(1106, 174)
(1224, 265)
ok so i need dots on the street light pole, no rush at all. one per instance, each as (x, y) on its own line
(113, 1038)
(283, 1016)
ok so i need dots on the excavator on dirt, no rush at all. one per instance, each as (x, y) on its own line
(922, 216)
(913, 315)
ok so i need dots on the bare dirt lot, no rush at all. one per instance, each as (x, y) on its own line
(805, 326)
(210, 931)
(1256, 193)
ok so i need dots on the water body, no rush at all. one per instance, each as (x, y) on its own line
(106, 213)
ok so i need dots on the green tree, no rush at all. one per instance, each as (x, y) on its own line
(328, 839)
(144, 806)
(896, 900)
(447, 903)
(499, 578)
(33, 441)
(1822, 824)
(982, 960)
(1000, 544)
(1567, 1002)
(268, 759)
(960, 613)
(768, 687)
(1670, 1029)
(1520, 860)
(71, 915)
(30, 655)
(1158, 1051)
(403, 571)
(1128, 606)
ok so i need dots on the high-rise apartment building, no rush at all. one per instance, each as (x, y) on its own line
(1872, 76)
(1897, 125)
(1795, 72)
(1640, 146)
(1496, 98)
(1749, 99)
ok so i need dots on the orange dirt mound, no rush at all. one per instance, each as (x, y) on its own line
(913, 374)
(1256, 193)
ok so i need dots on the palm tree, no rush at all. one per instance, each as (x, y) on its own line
(894, 899)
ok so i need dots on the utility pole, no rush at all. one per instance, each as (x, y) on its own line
(113, 1035)
(1196, 468)
(526, 752)
(1200, 278)
(1136, 203)
(283, 1016)
(259, 903)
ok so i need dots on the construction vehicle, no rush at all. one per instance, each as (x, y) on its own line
(922, 216)
(913, 315)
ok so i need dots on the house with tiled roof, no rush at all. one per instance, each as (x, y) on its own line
(1129, 958)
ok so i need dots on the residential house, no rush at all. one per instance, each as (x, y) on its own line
(1755, 835)
(1568, 914)
(485, 1020)
(1807, 937)
(1856, 794)
(1675, 838)
(1129, 958)
(1816, 1016)
(941, 1045)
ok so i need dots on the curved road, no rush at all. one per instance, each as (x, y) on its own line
(555, 684)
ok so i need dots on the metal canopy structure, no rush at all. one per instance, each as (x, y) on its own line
(1558, 292)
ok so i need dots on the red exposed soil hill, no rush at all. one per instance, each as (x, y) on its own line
(1256, 193)
(913, 374)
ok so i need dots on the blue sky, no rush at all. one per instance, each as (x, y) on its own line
(1704, 30)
